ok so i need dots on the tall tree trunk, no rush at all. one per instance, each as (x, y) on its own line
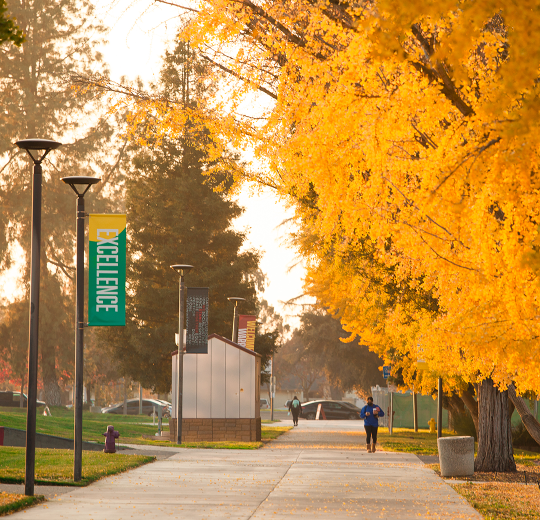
(472, 405)
(495, 451)
(98, 395)
(51, 390)
(530, 423)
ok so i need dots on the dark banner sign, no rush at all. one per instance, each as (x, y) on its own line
(197, 320)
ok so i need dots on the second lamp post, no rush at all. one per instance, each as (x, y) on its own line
(180, 268)
(80, 186)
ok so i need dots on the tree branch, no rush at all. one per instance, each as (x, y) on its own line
(528, 419)
(176, 5)
(236, 75)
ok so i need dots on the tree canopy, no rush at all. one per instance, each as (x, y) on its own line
(38, 101)
(9, 32)
(176, 216)
(413, 126)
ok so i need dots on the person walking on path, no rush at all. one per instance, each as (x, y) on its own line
(294, 408)
(371, 413)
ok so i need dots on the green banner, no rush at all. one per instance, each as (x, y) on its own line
(107, 271)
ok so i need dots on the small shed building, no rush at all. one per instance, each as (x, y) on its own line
(221, 393)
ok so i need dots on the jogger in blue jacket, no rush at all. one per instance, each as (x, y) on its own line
(371, 413)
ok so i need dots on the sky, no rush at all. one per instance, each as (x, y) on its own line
(139, 32)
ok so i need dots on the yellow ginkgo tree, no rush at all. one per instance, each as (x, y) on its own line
(411, 127)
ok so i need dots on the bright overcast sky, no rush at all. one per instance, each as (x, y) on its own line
(140, 31)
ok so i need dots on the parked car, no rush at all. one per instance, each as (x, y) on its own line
(332, 410)
(133, 407)
(13, 399)
(264, 403)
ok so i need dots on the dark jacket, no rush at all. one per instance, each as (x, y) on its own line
(370, 420)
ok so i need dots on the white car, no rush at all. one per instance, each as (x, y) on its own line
(264, 403)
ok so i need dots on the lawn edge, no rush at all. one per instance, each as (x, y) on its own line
(84, 481)
(22, 503)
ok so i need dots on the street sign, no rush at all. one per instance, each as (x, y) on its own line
(421, 364)
(197, 320)
(386, 371)
(107, 270)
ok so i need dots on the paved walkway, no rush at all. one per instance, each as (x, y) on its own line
(302, 473)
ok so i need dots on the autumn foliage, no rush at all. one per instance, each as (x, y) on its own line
(405, 134)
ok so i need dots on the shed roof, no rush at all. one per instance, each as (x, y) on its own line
(229, 342)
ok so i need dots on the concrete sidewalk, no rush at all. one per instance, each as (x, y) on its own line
(277, 481)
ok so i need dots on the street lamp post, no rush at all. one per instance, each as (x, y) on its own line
(44, 146)
(439, 407)
(235, 299)
(80, 185)
(180, 268)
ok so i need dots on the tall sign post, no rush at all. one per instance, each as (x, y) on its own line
(44, 146)
(180, 269)
(80, 185)
(439, 407)
(272, 388)
(415, 410)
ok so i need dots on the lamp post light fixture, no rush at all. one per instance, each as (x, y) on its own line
(80, 185)
(41, 148)
(181, 269)
(235, 299)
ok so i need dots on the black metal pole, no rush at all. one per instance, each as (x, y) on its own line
(439, 407)
(79, 342)
(272, 388)
(235, 324)
(33, 333)
(180, 359)
(415, 411)
(391, 415)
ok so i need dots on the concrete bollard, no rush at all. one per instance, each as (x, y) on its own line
(456, 456)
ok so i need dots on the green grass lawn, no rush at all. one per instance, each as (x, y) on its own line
(425, 443)
(56, 466)
(131, 427)
(409, 441)
(10, 502)
(268, 434)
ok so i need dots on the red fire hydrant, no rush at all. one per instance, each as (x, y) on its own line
(110, 435)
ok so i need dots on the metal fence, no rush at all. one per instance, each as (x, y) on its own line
(403, 408)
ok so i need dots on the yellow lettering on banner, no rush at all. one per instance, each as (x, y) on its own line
(250, 335)
(107, 295)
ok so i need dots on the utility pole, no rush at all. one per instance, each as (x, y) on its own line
(439, 407)
(272, 388)
(415, 411)
(180, 269)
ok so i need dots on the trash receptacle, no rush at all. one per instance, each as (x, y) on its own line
(456, 456)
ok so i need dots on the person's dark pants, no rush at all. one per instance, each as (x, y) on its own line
(371, 433)
(295, 414)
